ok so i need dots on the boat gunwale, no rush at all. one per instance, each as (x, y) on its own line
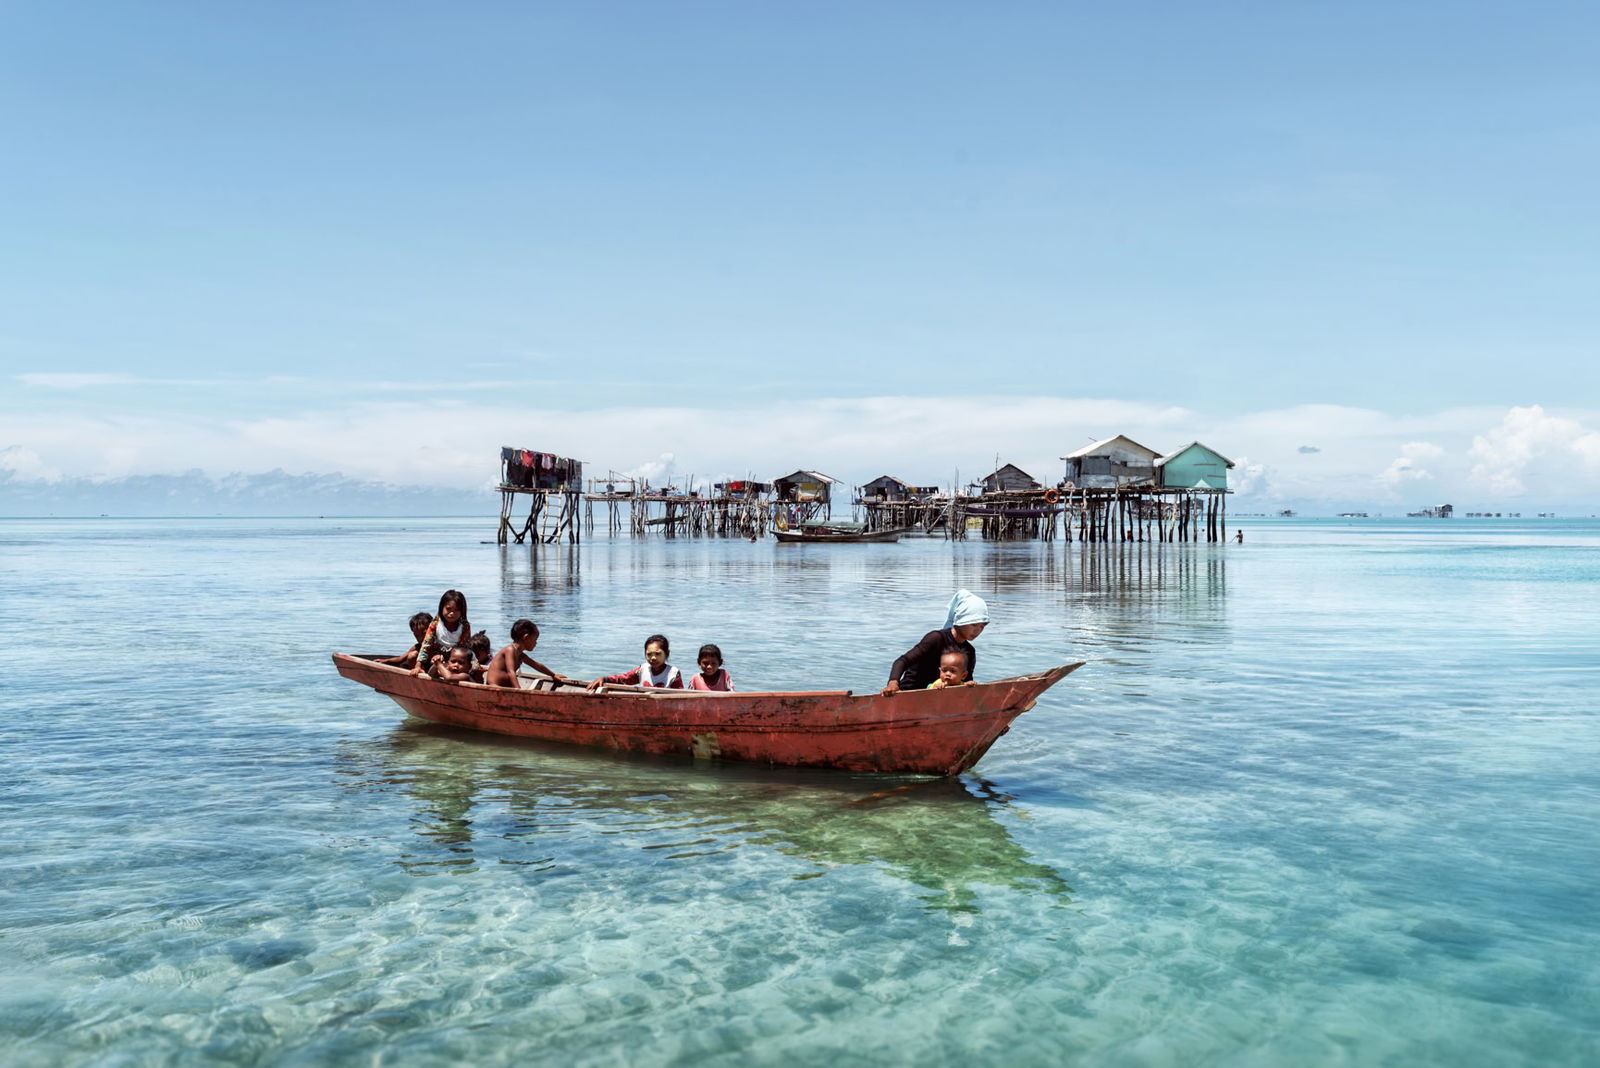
(657, 693)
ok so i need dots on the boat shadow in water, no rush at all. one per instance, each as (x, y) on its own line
(485, 799)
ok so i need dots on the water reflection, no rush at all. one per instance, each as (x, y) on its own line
(536, 566)
(1099, 567)
(1190, 572)
(992, 566)
(479, 799)
(1013, 566)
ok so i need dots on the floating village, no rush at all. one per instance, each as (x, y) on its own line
(1112, 490)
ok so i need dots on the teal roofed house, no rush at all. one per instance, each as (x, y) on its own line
(1195, 466)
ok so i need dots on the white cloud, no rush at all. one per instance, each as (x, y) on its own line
(1531, 446)
(656, 473)
(1372, 457)
(52, 380)
(1407, 468)
(1249, 478)
(447, 441)
(453, 442)
(19, 461)
(77, 380)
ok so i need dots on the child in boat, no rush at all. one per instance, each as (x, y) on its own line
(503, 668)
(952, 670)
(713, 676)
(918, 666)
(456, 667)
(408, 659)
(448, 630)
(655, 671)
(481, 653)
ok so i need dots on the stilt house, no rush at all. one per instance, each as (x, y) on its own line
(1112, 463)
(553, 486)
(1007, 478)
(1194, 467)
(524, 469)
(887, 488)
(743, 489)
(804, 487)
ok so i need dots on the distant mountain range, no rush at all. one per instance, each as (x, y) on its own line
(274, 493)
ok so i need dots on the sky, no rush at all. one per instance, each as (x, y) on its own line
(1353, 247)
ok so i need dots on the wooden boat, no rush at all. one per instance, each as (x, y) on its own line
(824, 535)
(928, 732)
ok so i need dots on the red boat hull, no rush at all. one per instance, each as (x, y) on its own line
(928, 732)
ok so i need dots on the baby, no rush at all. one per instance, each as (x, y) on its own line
(952, 670)
(456, 667)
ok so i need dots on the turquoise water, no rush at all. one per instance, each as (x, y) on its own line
(1327, 797)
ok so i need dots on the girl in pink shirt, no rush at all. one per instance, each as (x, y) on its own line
(712, 674)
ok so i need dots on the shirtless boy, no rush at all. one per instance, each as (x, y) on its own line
(503, 668)
(408, 659)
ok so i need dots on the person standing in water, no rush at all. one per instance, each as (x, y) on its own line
(918, 667)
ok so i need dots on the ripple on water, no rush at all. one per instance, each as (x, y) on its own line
(1326, 799)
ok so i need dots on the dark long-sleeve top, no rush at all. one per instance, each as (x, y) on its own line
(918, 666)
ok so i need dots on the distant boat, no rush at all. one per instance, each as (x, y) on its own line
(918, 732)
(1287, 513)
(820, 534)
(831, 526)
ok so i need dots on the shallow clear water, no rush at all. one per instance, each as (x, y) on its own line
(1327, 797)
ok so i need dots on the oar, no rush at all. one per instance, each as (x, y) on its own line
(549, 678)
(609, 687)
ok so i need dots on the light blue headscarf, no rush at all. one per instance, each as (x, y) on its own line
(966, 607)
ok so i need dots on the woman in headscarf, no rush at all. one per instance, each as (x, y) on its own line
(918, 667)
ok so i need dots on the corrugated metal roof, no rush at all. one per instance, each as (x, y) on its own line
(1092, 449)
(808, 476)
(1175, 453)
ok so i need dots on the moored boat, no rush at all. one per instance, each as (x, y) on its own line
(929, 732)
(823, 535)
